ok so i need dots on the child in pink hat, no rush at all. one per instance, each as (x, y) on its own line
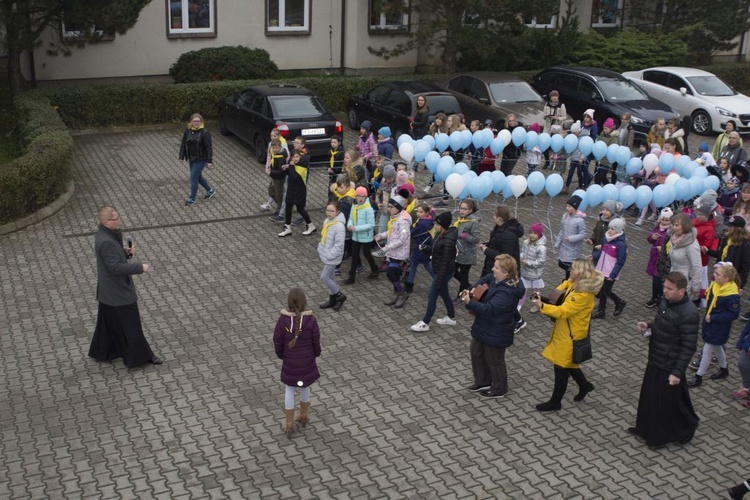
(533, 260)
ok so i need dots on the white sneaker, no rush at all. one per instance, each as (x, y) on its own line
(427, 189)
(378, 253)
(420, 327)
(639, 222)
(446, 321)
(533, 309)
(287, 230)
(265, 207)
(310, 229)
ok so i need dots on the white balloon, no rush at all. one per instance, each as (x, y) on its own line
(454, 184)
(518, 185)
(406, 151)
(504, 134)
(650, 162)
(671, 179)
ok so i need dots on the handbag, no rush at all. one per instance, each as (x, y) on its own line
(582, 347)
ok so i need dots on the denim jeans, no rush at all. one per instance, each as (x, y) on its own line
(432, 297)
(413, 270)
(196, 177)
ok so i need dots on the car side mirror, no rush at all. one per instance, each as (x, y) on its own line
(683, 91)
(483, 100)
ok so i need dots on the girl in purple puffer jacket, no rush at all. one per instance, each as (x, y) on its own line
(609, 260)
(657, 237)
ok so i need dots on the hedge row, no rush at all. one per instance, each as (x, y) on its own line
(42, 172)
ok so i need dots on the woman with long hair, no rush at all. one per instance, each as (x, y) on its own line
(572, 320)
(196, 147)
(296, 340)
(420, 126)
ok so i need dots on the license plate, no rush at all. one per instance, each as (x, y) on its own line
(313, 131)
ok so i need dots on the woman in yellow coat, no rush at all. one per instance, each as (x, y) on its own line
(571, 322)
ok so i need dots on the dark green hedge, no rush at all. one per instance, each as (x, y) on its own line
(42, 172)
(215, 64)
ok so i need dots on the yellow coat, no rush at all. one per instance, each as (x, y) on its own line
(573, 315)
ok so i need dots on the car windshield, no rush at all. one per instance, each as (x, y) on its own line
(514, 92)
(290, 107)
(710, 86)
(621, 91)
(442, 104)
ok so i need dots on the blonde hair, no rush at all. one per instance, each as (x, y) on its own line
(583, 268)
(508, 264)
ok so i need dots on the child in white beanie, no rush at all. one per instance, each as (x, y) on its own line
(609, 260)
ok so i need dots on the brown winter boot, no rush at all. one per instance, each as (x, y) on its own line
(302, 419)
(289, 428)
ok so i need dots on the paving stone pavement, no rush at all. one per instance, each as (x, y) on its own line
(390, 417)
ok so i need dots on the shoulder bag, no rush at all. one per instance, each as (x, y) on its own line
(581, 348)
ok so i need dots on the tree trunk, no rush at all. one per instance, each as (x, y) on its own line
(16, 81)
(15, 78)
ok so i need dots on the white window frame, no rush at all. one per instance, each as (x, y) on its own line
(77, 35)
(600, 24)
(382, 24)
(552, 23)
(185, 29)
(280, 27)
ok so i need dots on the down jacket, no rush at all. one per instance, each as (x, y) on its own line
(299, 361)
(738, 255)
(572, 227)
(726, 310)
(674, 336)
(331, 251)
(444, 256)
(503, 239)
(494, 324)
(686, 259)
(398, 240)
(468, 238)
(535, 255)
(362, 217)
(572, 317)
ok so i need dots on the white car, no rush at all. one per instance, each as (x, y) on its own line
(699, 94)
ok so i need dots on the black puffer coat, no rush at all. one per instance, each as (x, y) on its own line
(444, 256)
(503, 239)
(674, 336)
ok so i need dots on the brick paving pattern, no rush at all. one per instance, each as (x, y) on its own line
(390, 417)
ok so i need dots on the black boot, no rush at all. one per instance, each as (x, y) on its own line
(584, 386)
(409, 287)
(392, 301)
(338, 300)
(349, 280)
(561, 385)
(373, 274)
(722, 373)
(738, 492)
(401, 300)
(329, 303)
(696, 382)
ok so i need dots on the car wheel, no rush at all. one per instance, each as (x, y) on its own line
(259, 148)
(223, 125)
(701, 122)
(351, 115)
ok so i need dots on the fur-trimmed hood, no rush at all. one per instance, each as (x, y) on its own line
(589, 285)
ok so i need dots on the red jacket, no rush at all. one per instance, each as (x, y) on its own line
(706, 237)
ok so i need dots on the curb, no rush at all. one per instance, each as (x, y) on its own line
(40, 214)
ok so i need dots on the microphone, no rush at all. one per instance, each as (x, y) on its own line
(129, 241)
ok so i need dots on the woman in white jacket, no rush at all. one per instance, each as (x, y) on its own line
(684, 253)
(397, 248)
(331, 253)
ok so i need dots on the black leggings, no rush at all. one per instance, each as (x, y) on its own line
(565, 266)
(394, 274)
(462, 275)
(605, 292)
(367, 250)
(300, 210)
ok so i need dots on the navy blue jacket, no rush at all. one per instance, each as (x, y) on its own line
(420, 235)
(494, 324)
(726, 310)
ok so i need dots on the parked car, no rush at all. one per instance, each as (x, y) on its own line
(698, 94)
(394, 103)
(294, 110)
(487, 95)
(608, 93)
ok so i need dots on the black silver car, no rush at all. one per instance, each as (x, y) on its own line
(608, 93)
(394, 103)
(294, 110)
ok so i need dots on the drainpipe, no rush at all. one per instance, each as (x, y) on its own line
(343, 35)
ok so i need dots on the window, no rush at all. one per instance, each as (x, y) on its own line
(191, 17)
(389, 15)
(80, 29)
(657, 77)
(588, 89)
(676, 83)
(479, 90)
(378, 94)
(288, 16)
(398, 101)
(605, 13)
(540, 21)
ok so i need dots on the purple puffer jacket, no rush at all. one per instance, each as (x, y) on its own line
(298, 368)
(655, 246)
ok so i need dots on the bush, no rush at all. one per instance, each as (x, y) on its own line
(214, 64)
(42, 172)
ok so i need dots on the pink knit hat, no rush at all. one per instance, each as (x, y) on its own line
(361, 191)
(537, 228)
(535, 128)
(609, 123)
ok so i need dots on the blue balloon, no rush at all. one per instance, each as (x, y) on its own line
(421, 148)
(544, 141)
(496, 146)
(442, 141)
(666, 163)
(700, 172)
(444, 168)
(582, 194)
(429, 140)
(556, 143)
(599, 150)
(682, 189)
(696, 186)
(634, 165)
(711, 182)
(460, 168)
(626, 196)
(571, 143)
(612, 151)
(518, 136)
(553, 184)
(466, 136)
(456, 140)
(682, 161)
(688, 168)
(498, 181)
(507, 191)
(531, 139)
(535, 182)
(609, 192)
(478, 188)
(404, 138)
(623, 155)
(586, 145)
(661, 196)
(467, 186)
(643, 196)
(431, 159)
(594, 194)
(477, 139)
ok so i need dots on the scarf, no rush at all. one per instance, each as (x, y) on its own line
(394, 218)
(726, 249)
(357, 208)
(195, 129)
(613, 237)
(333, 155)
(715, 291)
(324, 231)
(349, 193)
(302, 172)
(412, 205)
(460, 221)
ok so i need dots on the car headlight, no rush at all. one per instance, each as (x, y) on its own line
(636, 120)
(726, 112)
